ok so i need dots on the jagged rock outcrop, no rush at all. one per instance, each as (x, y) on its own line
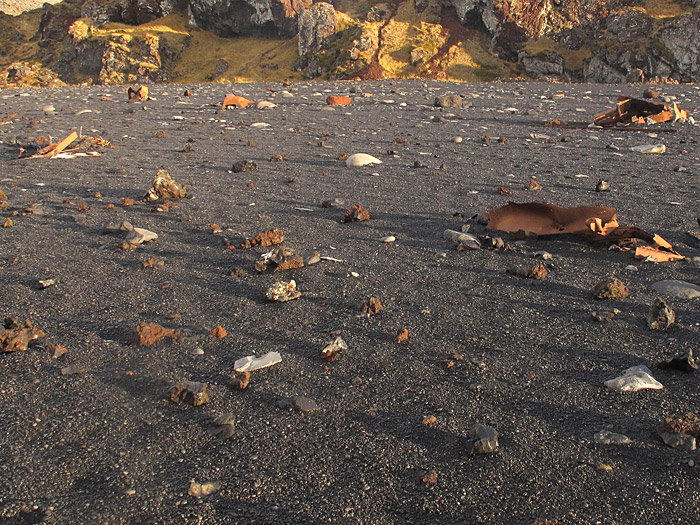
(317, 25)
(634, 42)
(244, 17)
(132, 12)
(511, 22)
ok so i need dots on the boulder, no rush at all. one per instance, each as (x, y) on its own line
(544, 64)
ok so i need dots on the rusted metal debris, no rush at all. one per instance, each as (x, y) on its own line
(235, 100)
(141, 93)
(637, 111)
(594, 223)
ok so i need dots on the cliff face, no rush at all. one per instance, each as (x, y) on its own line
(243, 17)
(511, 22)
(592, 40)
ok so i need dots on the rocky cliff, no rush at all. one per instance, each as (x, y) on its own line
(118, 41)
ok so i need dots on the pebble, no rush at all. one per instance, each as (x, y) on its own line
(304, 404)
(650, 148)
(457, 140)
(543, 255)
(361, 159)
(605, 437)
(679, 289)
(389, 238)
(633, 379)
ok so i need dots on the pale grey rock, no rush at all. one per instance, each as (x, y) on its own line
(634, 379)
(678, 289)
(140, 235)
(605, 437)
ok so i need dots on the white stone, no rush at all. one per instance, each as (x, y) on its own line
(633, 379)
(679, 289)
(389, 238)
(264, 104)
(361, 159)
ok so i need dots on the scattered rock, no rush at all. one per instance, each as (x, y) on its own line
(429, 478)
(650, 148)
(682, 363)
(660, 316)
(223, 426)
(72, 370)
(191, 392)
(219, 332)
(634, 379)
(650, 93)
(264, 104)
(164, 187)
(332, 351)
(338, 100)
(333, 203)
(57, 350)
(267, 238)
(314, 258)
(401, 336)
(611, 287)
(449, 101)
(127, 201)
(283, 291)
(250, 363)
(14, 338)
(533, 185)
(304, 404)
(605, 437)
(118, 227)
(152, 262)
(280, 258)
(146, 334)
(42, 284)
(537, 271)
(463, 241)
(358, 160)
(139, 236)
(244, 165)
(371, 306)
(388, 239)
(199, 490)
(681, 432)
(356, 213)
(240, 380)
(429, 420)
(603, 317)
(483, 439)
(678, 289)
(603, 185)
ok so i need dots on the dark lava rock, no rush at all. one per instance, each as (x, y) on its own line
(660, 316)
(244, 165)
(612, 287)
(682, 363)
(483, 439)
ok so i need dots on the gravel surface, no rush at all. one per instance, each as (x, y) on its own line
(485, 346)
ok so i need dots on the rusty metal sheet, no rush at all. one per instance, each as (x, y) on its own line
(548, 219)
